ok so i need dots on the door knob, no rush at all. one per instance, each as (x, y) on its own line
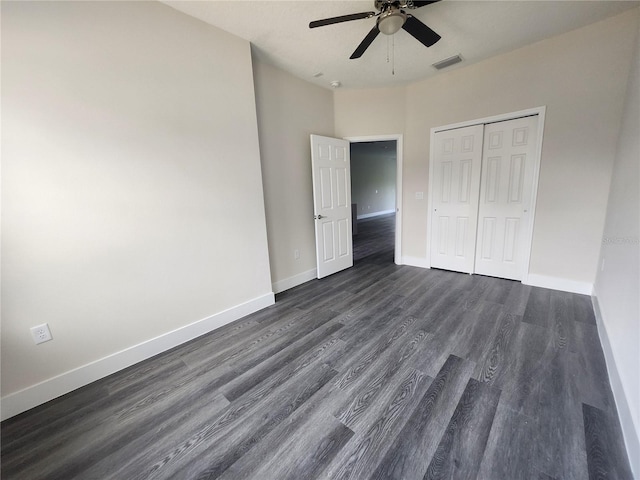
(318, 217)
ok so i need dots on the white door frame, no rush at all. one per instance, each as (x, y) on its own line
(540, 112)
(398, 138)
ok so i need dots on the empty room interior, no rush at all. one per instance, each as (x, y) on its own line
(320, 240)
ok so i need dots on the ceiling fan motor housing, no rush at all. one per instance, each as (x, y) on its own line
(383, 5)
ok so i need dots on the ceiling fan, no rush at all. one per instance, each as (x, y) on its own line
(391, 18)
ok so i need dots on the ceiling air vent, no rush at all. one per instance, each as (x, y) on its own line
(447, 62)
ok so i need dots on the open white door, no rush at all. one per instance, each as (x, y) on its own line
(331, 204)
(505, 197)
(454, 198)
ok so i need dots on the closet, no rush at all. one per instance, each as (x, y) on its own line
(482, 191)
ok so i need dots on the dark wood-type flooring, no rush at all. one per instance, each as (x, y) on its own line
(375, 235)
(378, 372)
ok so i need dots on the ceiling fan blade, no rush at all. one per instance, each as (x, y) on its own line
(420, 31)
(371, 36)
(420, 3)
(343, 18)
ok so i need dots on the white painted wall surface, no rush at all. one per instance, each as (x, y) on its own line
(617, 286)
(373, 177)
(132, 199)
(289, 110)
(366, 112)
(580, 76)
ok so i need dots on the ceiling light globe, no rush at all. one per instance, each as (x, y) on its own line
(391, 22)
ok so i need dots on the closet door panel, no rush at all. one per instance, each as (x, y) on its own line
(506, 189)
(456, 186)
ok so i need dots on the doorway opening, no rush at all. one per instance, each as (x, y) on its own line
(375, 196)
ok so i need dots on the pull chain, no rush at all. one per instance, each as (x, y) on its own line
(391, 39)
(393, 54)
(388, 40)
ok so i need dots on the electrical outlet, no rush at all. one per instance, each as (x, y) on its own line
(296, 254)
(41, 333)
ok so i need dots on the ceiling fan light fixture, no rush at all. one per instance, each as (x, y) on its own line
(391, 21)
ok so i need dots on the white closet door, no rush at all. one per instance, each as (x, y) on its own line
(506, 189)
(455, 183)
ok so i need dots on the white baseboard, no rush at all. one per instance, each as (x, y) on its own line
(415, 261)
(376, 214)
(299, 279)
(30, 397)
(555, 283)
(631, 435)
(534, 280)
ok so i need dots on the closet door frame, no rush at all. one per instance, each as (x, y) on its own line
(540, 112)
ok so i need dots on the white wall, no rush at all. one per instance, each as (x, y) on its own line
(289, 110)
(580, 76)
(367, 112)
(132, 200)
(617, 286)
(373, 177)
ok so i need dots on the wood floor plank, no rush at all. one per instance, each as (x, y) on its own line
(143, 447)
(538, 306)
(476, 293)
(559, 426)
(252, 414)
(603, 445)
(110, 415)
(590, 377)
(583, 309)
(211, 463)
(282, 329)
(440, 301)
(561, 318)
(476, 331)
(362, 454)
(354, 369)
(412, 449)
(387, 366)
(516, 301)
(310, 343)
(462, 446)
(509, 453)
(305, 456)
(499, 290)
(530, 363)
(22, 431)
(496, 362)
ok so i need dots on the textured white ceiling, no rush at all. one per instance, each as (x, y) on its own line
(279, 33)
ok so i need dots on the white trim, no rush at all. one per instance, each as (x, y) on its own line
(299, 279)
(375, 214)
(629, 432)
(540, 112)
(534, 194)
(398, 137)
(432, 154)
(415, 262)
(35, 395)
(493, 119)
(556, 283)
